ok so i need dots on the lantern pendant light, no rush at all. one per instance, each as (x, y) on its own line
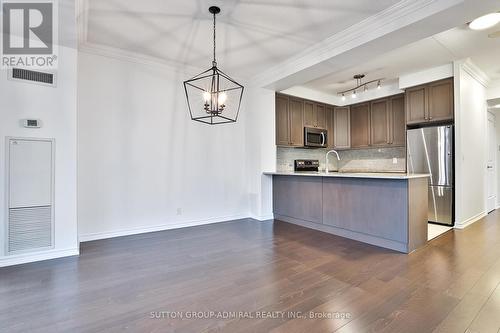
(212, 96)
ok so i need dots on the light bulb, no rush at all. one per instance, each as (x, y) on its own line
(222, 98)
(354, 94)
(206, 96)
(378, 85)
(343, 97)
(485, 22)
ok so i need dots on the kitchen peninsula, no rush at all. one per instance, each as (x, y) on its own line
(383, 209)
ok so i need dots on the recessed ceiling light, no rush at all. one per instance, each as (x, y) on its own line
(485, 22)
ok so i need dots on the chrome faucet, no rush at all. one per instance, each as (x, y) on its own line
(326, 158)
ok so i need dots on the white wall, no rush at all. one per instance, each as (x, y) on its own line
(261, 150)
(427, 75)
(56, 107)
(470, 143)
(143, 164)
(493, 91)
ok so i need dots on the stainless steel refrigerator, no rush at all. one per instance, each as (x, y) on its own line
(430, 150)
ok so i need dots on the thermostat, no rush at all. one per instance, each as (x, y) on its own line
(31, 123)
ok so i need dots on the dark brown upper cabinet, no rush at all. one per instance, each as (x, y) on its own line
(341, 128)
(320, 110)
(289, 121)
(360, 125)
(309, 115)
(296, 107)
(330, 125)
(440, 100)
(416, 101)
(314, 114)
(379, 122)
(282, 121)
(432, 102)
(397, 134)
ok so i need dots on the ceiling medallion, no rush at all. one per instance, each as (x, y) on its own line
(212, 96)
(359, 85)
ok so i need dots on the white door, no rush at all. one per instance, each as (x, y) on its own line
(491, 164)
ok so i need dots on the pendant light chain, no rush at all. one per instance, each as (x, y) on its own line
(214, 62)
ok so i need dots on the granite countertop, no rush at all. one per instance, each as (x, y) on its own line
(375, 175)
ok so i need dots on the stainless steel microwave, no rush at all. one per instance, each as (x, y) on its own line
(315, 137)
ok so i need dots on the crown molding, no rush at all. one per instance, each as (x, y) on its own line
(398, 16)
(473, 70)
(137, 58)
(141, 59)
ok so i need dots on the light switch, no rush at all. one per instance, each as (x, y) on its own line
(394, 160)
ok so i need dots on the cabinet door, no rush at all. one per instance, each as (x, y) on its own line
(398, 122)
(320, 113)
(296, 116)
(440, 99)
(379, 123)
(342, 128)
(309, 114)
(282, 122)
(360, 125)
(416, 105)
(330, 120)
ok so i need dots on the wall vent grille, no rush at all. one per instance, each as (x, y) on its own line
(44, 78)
(30, 228)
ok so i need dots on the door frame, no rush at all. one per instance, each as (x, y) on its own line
(492, 117)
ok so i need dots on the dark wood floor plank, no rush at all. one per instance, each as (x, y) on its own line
(451, 285)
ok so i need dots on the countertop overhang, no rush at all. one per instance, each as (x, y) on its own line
(374, 175)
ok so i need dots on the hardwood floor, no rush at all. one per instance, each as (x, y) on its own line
(451, 285)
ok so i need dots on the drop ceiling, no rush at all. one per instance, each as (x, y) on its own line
(252, 35)
(443, 48)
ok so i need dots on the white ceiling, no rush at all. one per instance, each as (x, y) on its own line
(252, 35)
(443, 48)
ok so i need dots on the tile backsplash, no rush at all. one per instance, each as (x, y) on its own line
(356, 160)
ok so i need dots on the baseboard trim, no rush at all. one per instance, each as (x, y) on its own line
(470, 221)
(263, 217)
(357, 236)
(37, 256)
(161, 227)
